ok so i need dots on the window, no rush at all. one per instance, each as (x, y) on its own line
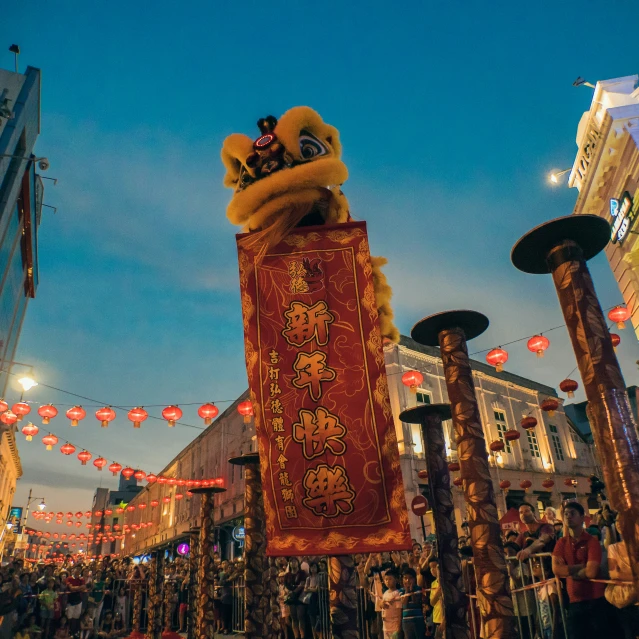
(556, 442)
(553, 429)
(416, 437)
(575, 437)
(423, 397)
(533, 444)
(502, 427)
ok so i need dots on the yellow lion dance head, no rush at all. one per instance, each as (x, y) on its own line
(290, 176)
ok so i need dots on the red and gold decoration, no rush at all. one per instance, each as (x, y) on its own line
(47, 412)
(528, 423)
(620, 315)
(172, 414)
(316, 370)
(29, 430)
(75, 414)
(208, 412)
(548, 484)
(568, 386)
(137, 415)
(413, 380)
(616, 340)
(21, 409)
(525, 485)
(49, 441)
(538, 344)
(497, 357)
(105, 415)
(550, 405)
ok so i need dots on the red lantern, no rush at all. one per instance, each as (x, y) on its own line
(139, 475)
(548, 483)
(246, 409)
(98, 513)
(130, 508)
(84, 457)
(49, 441)
(571, 482)
(171, 481)
(142, 506)
(87, 514)
(105, 415)
(504, 485)
(21, 409)
(154, 503)
(108, 512)
(29, 430)
(166, 500)
(100, 463)
(453, 467)
(538, 344)
(47, 412)
(171, 414)
(616, 340)
(568, 386)
(512, 435)
(412, 379)
(497, 446)
(458, 481)
(162, 480)
(128, 472)
(78, 515)
(3, 406)
(151, 478)
(550, 405)
(75, 414)
(528, 423)
(115, 468)
(526, 484)
(8, 418)
(179, 496)
(137, 416)
(497, 358)
(619, 314)
(208, 412)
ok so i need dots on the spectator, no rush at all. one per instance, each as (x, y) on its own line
(47, 600)
(391, 607)
(310, 597)
(294, 582)
(75, 586)
(577, 557)
(436, 595)
(413, 625)
(63, 629)
(542, 535)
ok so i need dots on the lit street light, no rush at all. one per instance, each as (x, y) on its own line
(555, 175)
(27, 382)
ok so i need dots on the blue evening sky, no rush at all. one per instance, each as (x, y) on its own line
(451, 114)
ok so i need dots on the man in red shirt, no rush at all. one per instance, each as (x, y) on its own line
(576, 558)
(541, 534)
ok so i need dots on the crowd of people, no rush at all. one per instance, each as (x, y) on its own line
(570, 577)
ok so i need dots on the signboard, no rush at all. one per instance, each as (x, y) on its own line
(329, 460)
(238, 533)
(623, 217)
(419, 505)
(183, 549)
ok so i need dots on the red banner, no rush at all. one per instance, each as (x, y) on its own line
(329, 460)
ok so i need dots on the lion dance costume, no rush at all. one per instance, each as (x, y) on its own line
(291, 176)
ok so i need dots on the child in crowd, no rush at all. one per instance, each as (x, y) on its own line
(47, 599)
(63, 629)
(285, 610)
(436, 595)
(391, 607)
(413, 624)
(86, 625)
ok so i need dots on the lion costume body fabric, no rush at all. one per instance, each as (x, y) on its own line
(291, 176)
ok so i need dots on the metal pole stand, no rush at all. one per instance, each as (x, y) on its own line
(205, 628)
(257, 575)
(450, 331)
(562, 247)
(342, 577)
(191, 618)
(455, 602)
(137, 610)
(154, 598)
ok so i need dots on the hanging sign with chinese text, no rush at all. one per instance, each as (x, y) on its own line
(328, 452)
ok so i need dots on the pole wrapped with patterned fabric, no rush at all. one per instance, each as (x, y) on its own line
(450, 331)
(274, 618)
(562, 247)
(342, 576)
(154, 599)
(454, 600)
(206, 570)
(136, 616)
(191, 618)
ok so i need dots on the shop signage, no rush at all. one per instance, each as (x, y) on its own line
(328, 451)
(623, 217)
(419, 505)
(183, 549)
(238, 533)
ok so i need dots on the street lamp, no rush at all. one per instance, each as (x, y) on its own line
(43, 163)
(27, 382)
(555, 175)
(41, 505)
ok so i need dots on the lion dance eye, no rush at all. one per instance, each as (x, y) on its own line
(245, 178)
(311, 147)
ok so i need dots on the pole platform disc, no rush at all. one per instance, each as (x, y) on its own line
(204, 490)
(243, 460)
(427, 330)
(419, 414)
(590, 232)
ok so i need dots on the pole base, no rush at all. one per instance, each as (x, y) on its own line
(136, 634)
(169, 634)
(427, 330)
(419, 414)
(590, 232)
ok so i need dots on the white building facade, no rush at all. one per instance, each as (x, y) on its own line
(606, 174)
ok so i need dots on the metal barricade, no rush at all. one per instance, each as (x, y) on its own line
(238, 604)
(324, 617)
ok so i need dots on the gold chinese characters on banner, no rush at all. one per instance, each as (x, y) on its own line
(328, 453)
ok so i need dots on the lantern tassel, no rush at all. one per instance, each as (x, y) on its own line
(105, 424)
(540, 353)
(499, 368)
(571, 394)
(74, 422)
(45, 420)
(413, 390)
(171, 423)
(621, 325)
(247, 419)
